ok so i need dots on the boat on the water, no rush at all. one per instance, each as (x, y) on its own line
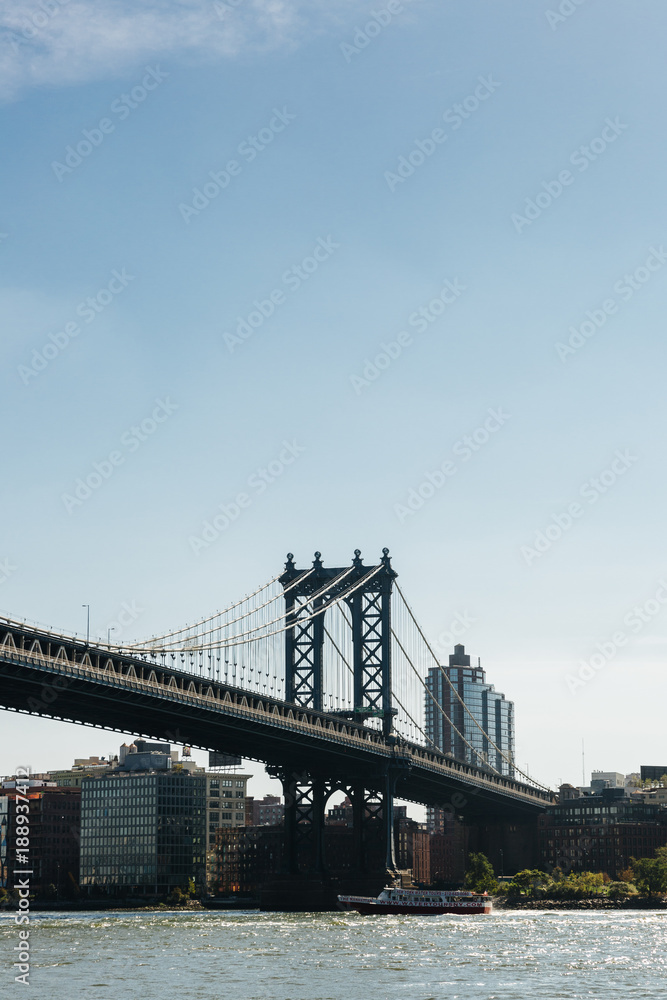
(419, 901)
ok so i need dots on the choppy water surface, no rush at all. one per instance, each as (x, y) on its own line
(263, 956)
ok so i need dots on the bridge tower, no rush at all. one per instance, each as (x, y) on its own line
(308, 593)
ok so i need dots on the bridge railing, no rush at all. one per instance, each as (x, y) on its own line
(174, 685)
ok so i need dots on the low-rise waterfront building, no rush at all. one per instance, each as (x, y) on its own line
(600, 832)
(269, 811)
(227, 808)
(439, 854)
(245, 858)
(653, 772)
(143, 832)
(341, 814)
(143, 823)
(54, 822)
(83, 767)
(606, 779)
(226, 795)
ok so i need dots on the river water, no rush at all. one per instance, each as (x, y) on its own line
(524, 955)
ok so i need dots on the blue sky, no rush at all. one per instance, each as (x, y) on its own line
(532, 147)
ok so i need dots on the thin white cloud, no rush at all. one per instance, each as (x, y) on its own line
(61, 42)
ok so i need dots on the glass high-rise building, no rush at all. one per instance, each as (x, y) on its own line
(143, 832)
(489, 707)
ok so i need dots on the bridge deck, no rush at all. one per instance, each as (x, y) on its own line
(62, 678)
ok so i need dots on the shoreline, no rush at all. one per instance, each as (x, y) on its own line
(102, 906)
(631, 903)
(250, 906)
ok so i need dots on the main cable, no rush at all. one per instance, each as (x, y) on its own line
(507, 759)
(239, 638)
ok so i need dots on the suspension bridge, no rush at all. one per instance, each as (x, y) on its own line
(321, 674)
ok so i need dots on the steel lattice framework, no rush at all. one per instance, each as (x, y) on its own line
(180, 687)
(308, 593)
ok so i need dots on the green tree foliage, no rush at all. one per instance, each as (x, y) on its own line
(534, 884)
(531, 882)
(176, 897)
(650, 874)
(619, 890)
(580, 885)
(180, 895)
(479, 875)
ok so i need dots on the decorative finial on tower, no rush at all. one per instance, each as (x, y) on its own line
(386, 562)
(357, 561)
(290, 561)
(317, 561)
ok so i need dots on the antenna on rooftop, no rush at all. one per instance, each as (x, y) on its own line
(583, 765)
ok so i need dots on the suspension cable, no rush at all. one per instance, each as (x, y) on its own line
(256, 628)
(421, 680)
(507, 759)
(219, 614)
(394, 695)
(415, 724)
(436, 702)
(239, 638)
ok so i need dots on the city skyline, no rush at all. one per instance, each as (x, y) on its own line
(397, 279)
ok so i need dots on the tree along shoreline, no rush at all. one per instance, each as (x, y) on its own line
(596, 903)
(641, 886)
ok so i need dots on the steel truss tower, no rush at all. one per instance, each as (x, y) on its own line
(308, 594)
